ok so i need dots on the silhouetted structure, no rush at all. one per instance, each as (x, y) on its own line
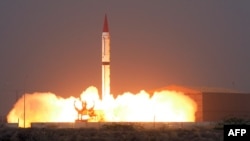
(84, 111)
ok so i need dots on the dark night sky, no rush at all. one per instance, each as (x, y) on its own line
(56, 46)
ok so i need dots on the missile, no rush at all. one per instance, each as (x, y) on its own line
(105, 59)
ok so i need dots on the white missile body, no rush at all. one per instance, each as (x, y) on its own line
(105, 60)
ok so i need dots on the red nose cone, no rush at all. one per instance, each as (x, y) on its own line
(105, 26)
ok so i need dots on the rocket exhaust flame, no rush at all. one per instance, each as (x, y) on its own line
(163, 106)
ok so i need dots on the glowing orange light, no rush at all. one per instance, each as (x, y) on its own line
(162, 106)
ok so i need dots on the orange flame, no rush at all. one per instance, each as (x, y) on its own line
(162, 106)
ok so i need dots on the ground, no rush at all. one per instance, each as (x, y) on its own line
(110, 133)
